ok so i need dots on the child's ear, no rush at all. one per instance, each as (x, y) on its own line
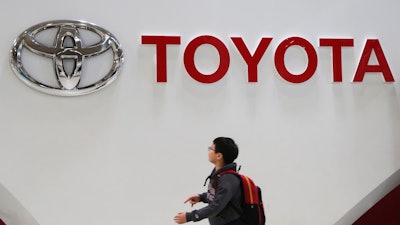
(219, 156)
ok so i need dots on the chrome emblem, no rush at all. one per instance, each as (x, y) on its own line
(68, 53)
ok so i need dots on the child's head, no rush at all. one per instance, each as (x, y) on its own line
(227, 147)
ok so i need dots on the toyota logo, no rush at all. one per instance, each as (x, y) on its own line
(68, 54)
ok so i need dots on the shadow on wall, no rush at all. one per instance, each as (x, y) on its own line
(12, 212)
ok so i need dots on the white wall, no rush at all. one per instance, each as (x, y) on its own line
(132, 153)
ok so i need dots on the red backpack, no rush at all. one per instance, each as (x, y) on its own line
(252, 204)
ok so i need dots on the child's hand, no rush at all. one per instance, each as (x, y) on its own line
(193, 199)
(180, 218)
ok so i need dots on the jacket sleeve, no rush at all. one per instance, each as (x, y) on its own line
(225, 190)
(203, 197)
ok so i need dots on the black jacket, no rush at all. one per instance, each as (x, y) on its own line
(223, 198)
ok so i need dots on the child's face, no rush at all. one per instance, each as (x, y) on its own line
(212, 156)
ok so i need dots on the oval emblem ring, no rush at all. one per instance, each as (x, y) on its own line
(68, 49)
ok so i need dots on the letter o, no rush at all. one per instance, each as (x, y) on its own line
(280, 60)
(190, 64)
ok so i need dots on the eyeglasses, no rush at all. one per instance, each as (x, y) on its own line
(211, 149)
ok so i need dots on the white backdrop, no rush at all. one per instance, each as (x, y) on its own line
(132, 152)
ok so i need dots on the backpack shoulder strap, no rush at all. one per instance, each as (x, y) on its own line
(229, 171)
(225, 172)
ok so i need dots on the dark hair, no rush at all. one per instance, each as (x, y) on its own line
(227, 147)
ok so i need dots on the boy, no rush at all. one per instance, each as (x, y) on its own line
(223, 197)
